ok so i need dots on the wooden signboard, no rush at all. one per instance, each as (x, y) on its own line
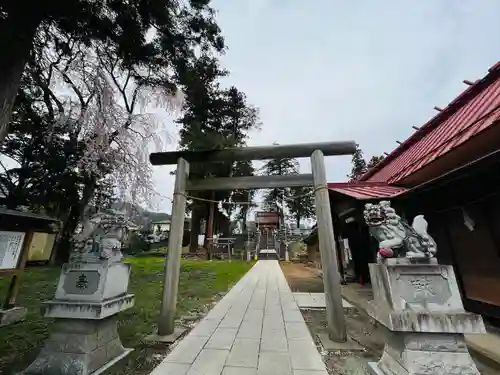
(11, 245)
(267, 218)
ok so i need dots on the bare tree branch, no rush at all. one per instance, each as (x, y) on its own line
(75, 89)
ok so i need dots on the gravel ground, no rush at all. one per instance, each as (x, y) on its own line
(360, 329)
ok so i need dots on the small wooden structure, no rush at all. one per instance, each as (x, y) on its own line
(267, 221)
(312, 244)
(222, 247)
(16, 232)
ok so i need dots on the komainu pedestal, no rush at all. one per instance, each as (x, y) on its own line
(419, 304)
(84, 337)
(91, 291)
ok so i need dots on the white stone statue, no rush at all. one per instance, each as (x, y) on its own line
(395, 236)
(100, 238)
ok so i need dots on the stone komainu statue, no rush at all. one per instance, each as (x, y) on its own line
(100, 239)
(395, 236)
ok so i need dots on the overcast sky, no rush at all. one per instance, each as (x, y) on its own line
(365, 70)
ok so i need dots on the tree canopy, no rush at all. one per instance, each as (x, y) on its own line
(278, 167)
(215, 117)
(303, 206)
(360, 166)
(161, 35)
(298, 200)
(374, 161)
(84, 76)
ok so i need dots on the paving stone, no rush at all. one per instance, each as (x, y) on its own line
(250, 330)
(304, 355)
(239, 371)
(254, 315)
(273, 363)
(244, 353)
(297, 331)
(222, 338)
(273, 311)
(237, 312)
(256, 306)
(205, 328)
(231, 321)
(289, 306)
(276, 332)
(209, 362)
(187, 350)
(275, 328)
(288, 301)
(293, 316)
(171, 369)
(273, 322)
(309, 372)
(274, 343)
(217, 313)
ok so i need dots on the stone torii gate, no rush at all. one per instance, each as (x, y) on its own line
(316, 151)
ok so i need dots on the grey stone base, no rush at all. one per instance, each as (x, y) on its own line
(88, 310)
(420, 307)
(12, 315)
(166, 339)
(425, 353)
(349, 345)
(79, 347)
(427, 321)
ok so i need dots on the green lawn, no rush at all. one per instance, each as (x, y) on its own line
(200, 281)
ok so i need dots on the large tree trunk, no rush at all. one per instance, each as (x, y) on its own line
(16, 40)
(17, 196)
(76, 214)
(223, 224)
(62, 248)
(244, 228)
(195, 229)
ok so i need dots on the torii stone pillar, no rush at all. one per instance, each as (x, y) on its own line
(328, 251)
(166, 323)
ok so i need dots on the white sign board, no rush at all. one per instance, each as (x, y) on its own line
(201, 239)
(347, 251)
(11, 244)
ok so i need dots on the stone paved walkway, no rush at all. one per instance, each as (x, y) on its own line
(257, 328)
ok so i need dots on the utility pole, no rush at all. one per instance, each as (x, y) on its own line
(328, 252)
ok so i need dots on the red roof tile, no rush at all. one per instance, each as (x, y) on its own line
(366, 190)
(473, 111)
